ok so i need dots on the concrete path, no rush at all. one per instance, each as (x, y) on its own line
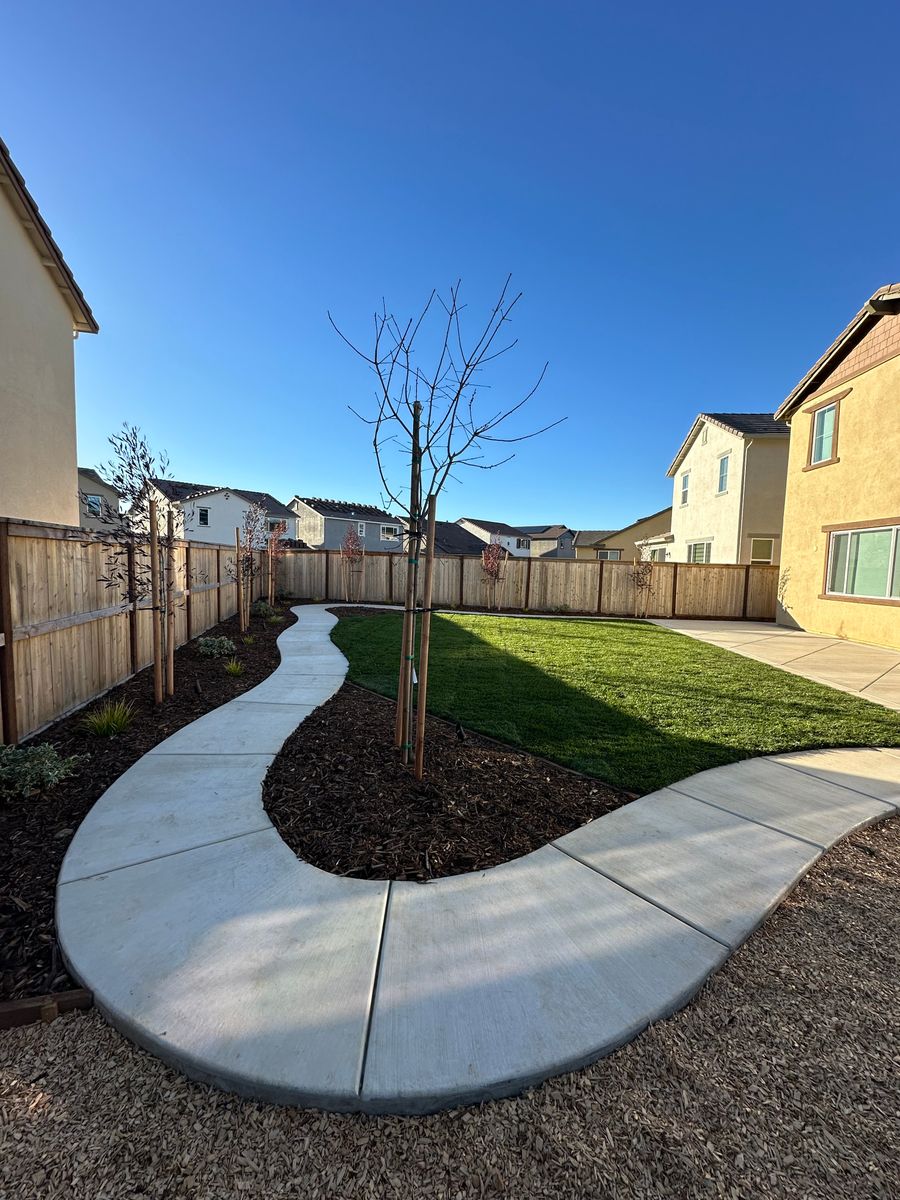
(207, 941)
(872, 672)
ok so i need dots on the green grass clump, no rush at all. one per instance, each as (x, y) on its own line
(632, 703)
(234, 667)
(108, 719)
(248, 639)
(275, 619)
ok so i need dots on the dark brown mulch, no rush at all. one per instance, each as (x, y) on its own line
(342, 800)
(35, 833)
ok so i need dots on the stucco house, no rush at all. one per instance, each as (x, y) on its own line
(41, 307)
(206, 513)
(323, 524)
(550, 541)
(510, 537)
(841, 554)
(98, 502)
(729, 479)
(623, 545)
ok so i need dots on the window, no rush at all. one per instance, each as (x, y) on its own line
(699, 552)
(823, 438)
(658, 554)
(93, 505)
(703, 435)
(275, 524)
(523, 543)
(361, 528)
(865, 562)
(202, 516)
(685, 478)
(609, 555)
(390, 533)
(762, 550)
(723, 474)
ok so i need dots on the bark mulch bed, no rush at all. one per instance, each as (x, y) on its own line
(35, 833)
(342, 800)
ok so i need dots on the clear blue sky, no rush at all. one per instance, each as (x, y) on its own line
(693, 197)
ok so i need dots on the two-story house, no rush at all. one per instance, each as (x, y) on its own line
(323, 524)
(510, 537)
(99, 503)
(841, 556)
(550, 541)
(206, 513)
(729, 480)
(41, 306)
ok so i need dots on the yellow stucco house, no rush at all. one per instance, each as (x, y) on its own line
(41, 308)
(621, 545)
(841, 548)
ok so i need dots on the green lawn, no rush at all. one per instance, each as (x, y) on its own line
(634, 704)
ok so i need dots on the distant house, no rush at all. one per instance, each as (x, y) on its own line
(323, 524)
(624, 545)
(41, 306)
(729, 481)
(841, 553)
(98, 502)
(515, 540)
(451, 538)
(550, 541)
(206, 513)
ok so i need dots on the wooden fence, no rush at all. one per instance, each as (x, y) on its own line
(65, 637)
(543, 585)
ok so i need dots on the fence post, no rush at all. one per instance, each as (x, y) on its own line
(7, 661)
(188, 599)
(327, 561)
(133, 609)
(527, 584)
(674, 589)
(600, 588)
(746, 591)
(218, 585)
(462, 579)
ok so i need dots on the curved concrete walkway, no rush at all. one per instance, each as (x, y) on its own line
(207, 941)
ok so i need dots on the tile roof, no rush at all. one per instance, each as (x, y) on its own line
(753, 425)
(345, 509)
(174, 489)
(544, 531)
(498, 527)
(590, 537)
(451, 538)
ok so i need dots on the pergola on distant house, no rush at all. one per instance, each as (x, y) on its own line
(729, 478)
(841, 553)
(41, 306)
(323, 524)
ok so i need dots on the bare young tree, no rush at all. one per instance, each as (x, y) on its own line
(432, 420)
(353, 557)
(642, 577)
(250, 538)
(276, 549)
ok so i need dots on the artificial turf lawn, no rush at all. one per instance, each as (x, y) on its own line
(634, 704)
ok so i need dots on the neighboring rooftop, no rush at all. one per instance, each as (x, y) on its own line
(174, 489)
(498, 527)
(450, 538)
(540, 532)
(747, 425)
(90, 473)
(591, 537)
(348, 509)
(13, 187)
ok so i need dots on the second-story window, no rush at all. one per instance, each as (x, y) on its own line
(390, 533)
(823, 434)
(361, 528)
(523, 544)
(723, 473)
(202, 516)
(93, 505)
(685, 480)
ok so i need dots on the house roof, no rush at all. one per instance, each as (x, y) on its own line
(450, 538)
(92, 475)
(881, 303)
(13, 187)
(590, 537)
(745, 425)
(539, 532)
(174, 489)
(345, 509)
(498, 527)
(649, 517)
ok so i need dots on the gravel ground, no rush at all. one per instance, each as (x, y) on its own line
(780, 1080)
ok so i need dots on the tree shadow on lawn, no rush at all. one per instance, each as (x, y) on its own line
(633, 704)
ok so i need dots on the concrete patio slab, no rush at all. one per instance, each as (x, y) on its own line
(240, 727)
(164, 804)
(235, 962)
(721, 873)
(492, 981)
(874, 773)
(790, 801)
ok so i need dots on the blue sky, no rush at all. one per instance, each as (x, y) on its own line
(694, 199)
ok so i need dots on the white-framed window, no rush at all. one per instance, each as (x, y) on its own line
(762, 550)
(390, 533)
(93, 505)
(609, 555)
(658, 554)
(823, 434)
(523, 543)
(703, 435)
(203, 516)
(685, 486)
(699, 552)
(361, 528)
(274, 524)
(723, 474)
(865, 563)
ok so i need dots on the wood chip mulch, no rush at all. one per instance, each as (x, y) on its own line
(341, 798)
(35, 833)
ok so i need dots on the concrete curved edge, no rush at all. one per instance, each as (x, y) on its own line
(198, 930)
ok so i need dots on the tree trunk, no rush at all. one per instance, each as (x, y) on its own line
(155, 614)
(422, 698)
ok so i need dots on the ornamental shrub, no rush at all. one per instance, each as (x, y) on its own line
(215, 647)
(28, 770)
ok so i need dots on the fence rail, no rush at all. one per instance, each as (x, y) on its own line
(65, 638)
